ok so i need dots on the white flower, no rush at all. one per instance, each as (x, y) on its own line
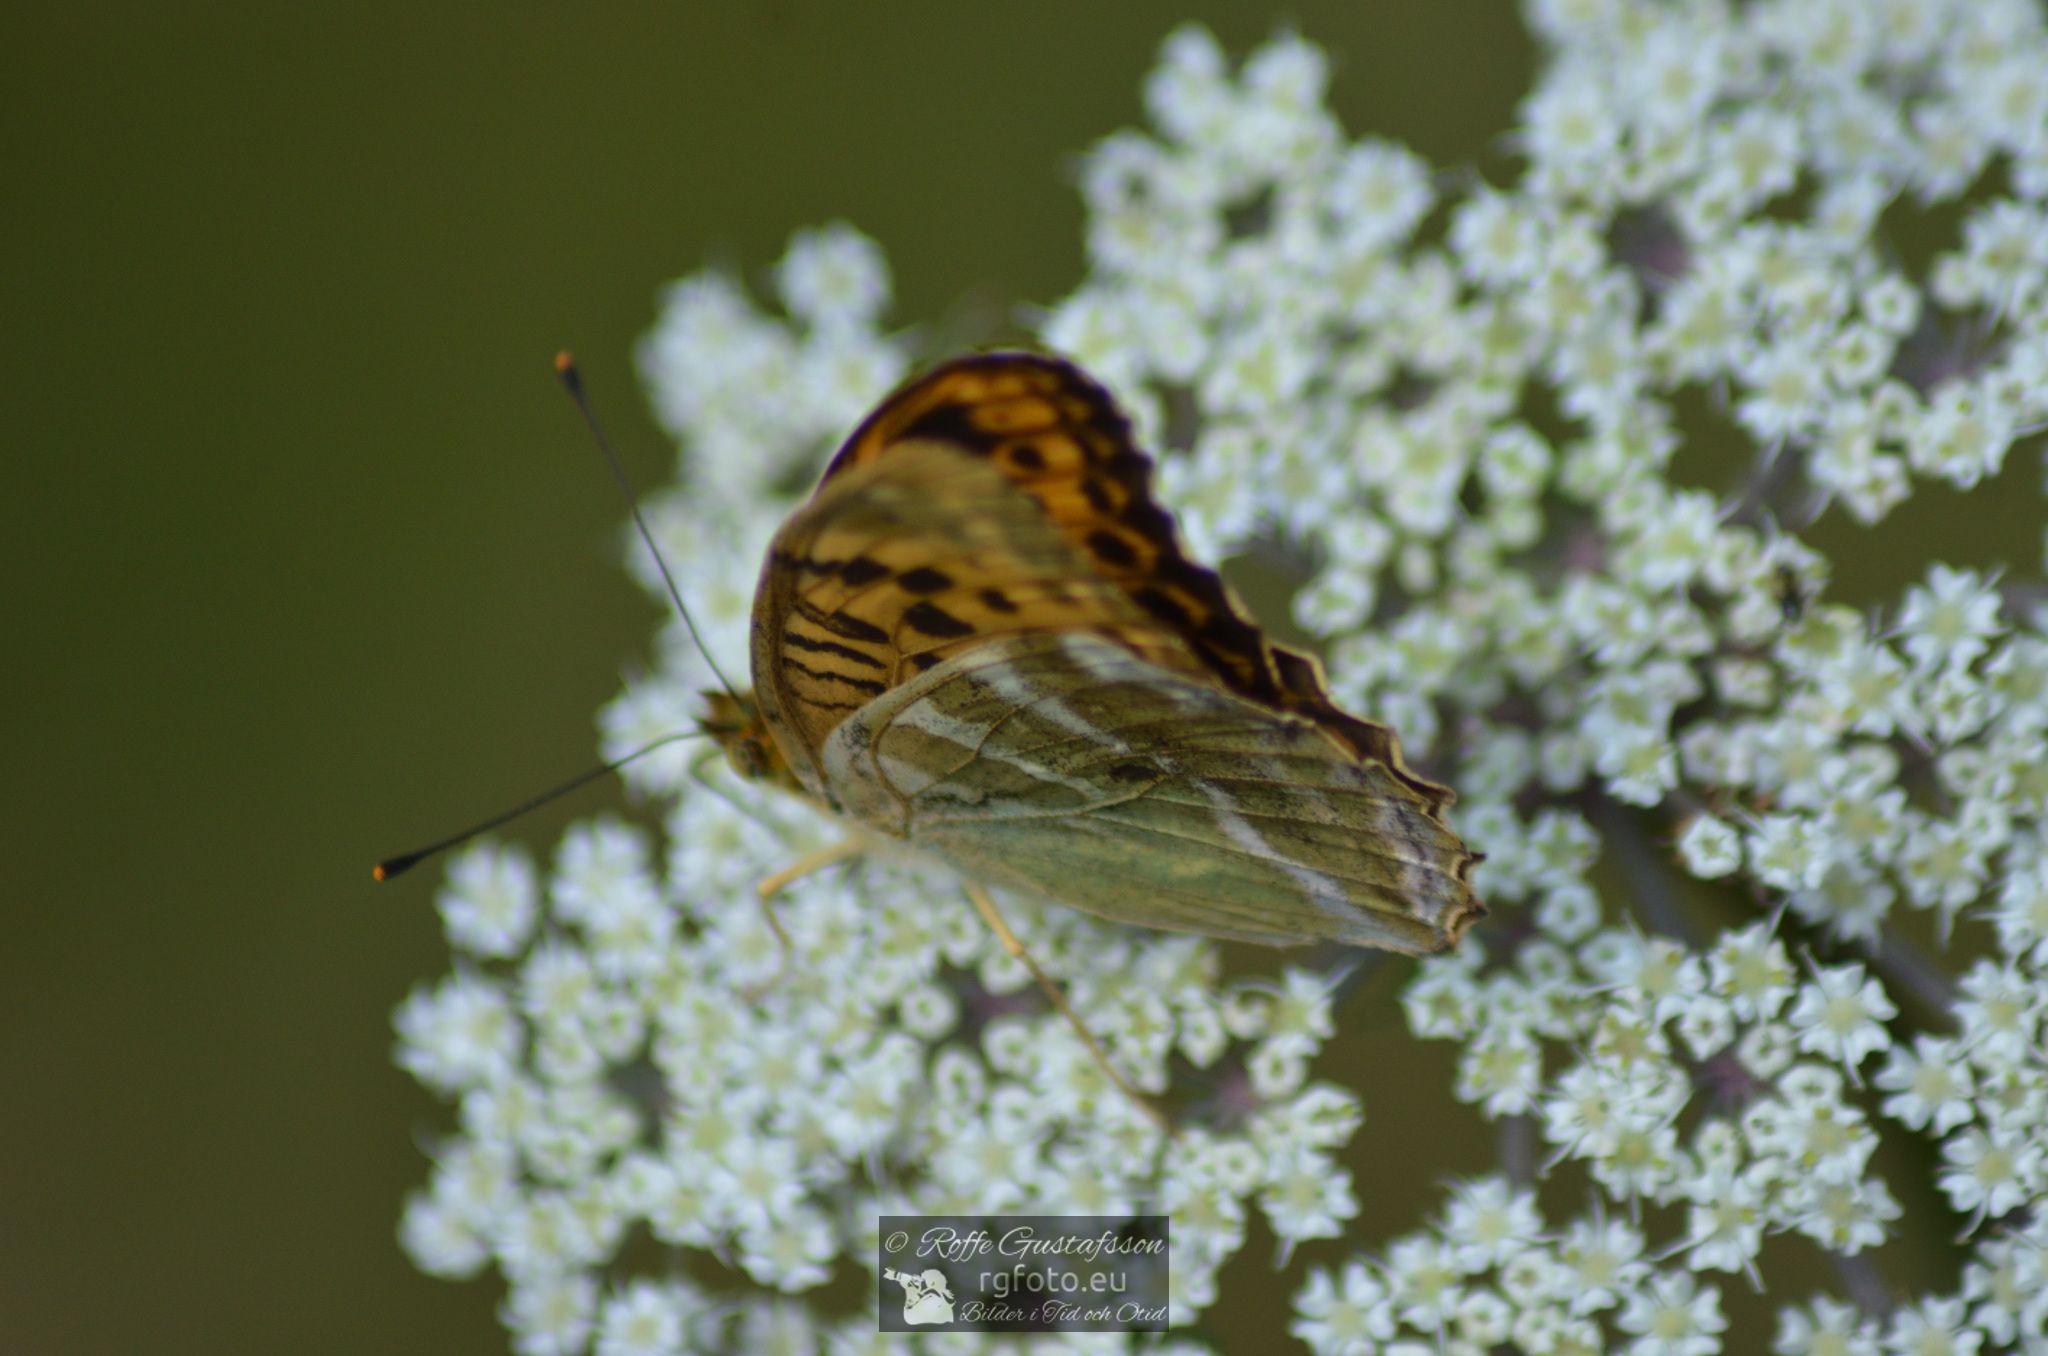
(1750, 969)
(1931, 1085)
(1489, 1223)
(2000, 1014)
(1962, 437)
(550, 1315)
(834, 277)
(1987, 1175)
(2006, 1278)
(792, 1252)
(461, 1033)
(1638, 1157)
(2022, 916)
(1841, 1012)
(1307, 1196)
(1497, 239)
(1423, 1278)
(1673, 1316)
(1346, 1315)
(1710, 848)
(644, 1319)
(1787, 390)
(1844, 1214)
(440, 1240)
(491, 900)
(1277, 1068)
(1482, 1318)
(1951, 621)
(1933, 1327)
(549, 1234)
(1502, 1070)
(1825, 1328)
(1439, 1002)
(1707, 1026)
(1724, 1221)
(1377, 192)
(1788, 851)
(1942, 864)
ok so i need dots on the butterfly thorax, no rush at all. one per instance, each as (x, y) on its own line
(734, 720)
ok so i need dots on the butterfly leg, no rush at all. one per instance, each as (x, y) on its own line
(765, 892)
(986, 907)
(809, 864)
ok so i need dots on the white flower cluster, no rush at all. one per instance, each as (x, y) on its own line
(1812, 234)
(631, 1051)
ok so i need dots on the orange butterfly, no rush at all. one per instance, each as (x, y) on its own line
(980, 639)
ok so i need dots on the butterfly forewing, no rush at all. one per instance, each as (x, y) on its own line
(1057, 434)
(896, 566)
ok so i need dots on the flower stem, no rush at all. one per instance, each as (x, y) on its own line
(1642, 866)
(1908, 968)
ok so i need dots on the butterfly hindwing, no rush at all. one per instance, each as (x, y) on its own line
(1066, 766)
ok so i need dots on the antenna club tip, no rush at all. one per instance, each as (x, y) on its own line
(397, 866)
(568, 374)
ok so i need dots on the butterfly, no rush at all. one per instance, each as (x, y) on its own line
(981, 641)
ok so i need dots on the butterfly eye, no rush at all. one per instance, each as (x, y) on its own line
(750, 757)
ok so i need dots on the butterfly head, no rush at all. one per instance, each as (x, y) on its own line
(734, 721)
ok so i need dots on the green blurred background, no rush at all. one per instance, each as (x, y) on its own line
(307, 558)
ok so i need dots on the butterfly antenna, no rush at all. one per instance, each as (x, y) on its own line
(406, 861)
(572, 382)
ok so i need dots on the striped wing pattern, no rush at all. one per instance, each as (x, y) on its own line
(896, 567)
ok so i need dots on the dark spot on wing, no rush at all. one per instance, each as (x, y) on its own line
(996, 602)
(1230, 633)
(924, 579)
(1232, 667)
(1127, 463)
(1161, 605)
(1112, 548)
(951, 422)
(860, 570)
(1026, 456)
(935, 621)
(853, 628)
(1133, 772)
